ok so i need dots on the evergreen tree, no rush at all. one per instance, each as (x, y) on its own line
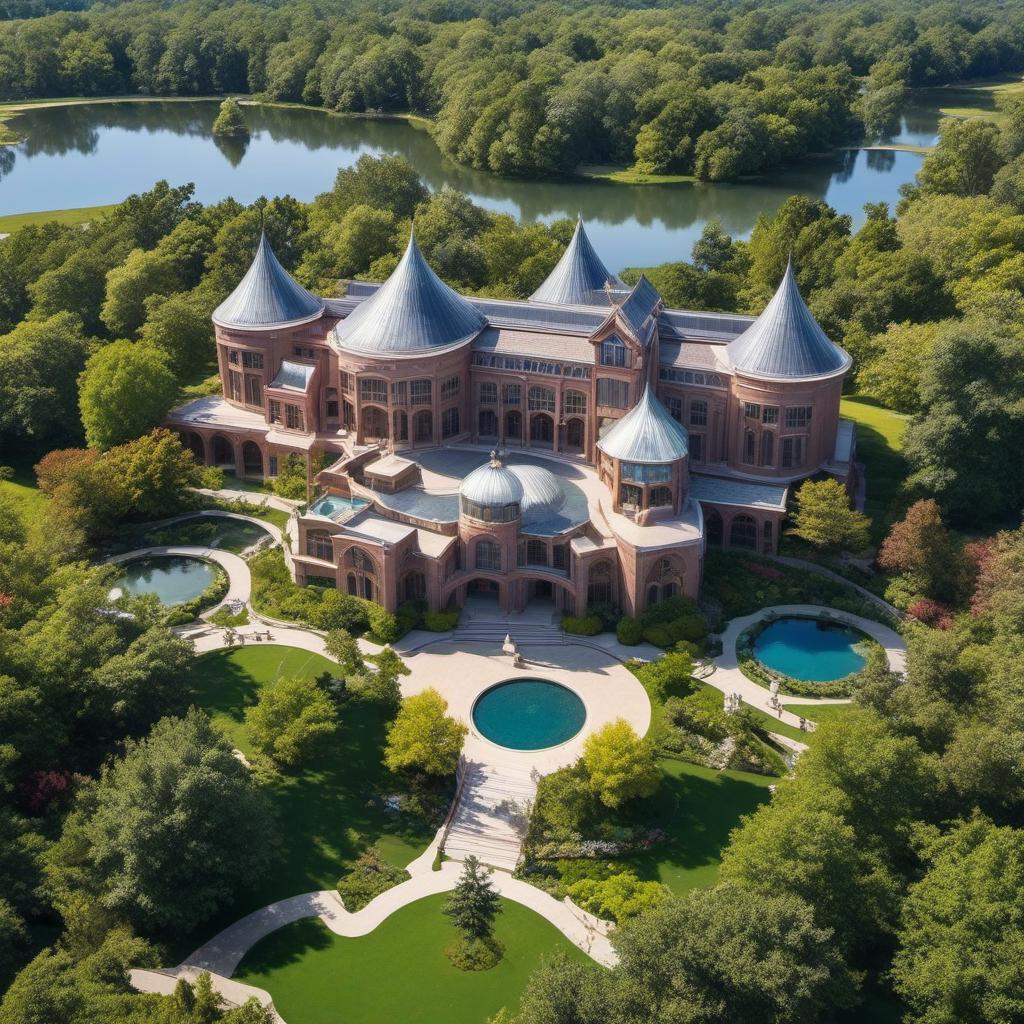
(473, 903)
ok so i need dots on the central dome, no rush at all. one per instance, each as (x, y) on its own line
(542, 490)
(411, 312)
(492, 492)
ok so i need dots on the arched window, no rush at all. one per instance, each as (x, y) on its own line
(252, 459)
(652, 594)
(514, 425)
(599, 583)
(574, 403)
(613, 352)
(743, 533)
(423, 425)
(420, 392)
(223, 451)
(368, 588)
(541, 399)
(749, 447)
(487, 423)
(767, 448)
(767, 532)
(358, 558)
(542, 428)
(659, 497)
(401, 425)
(450, 422)
(415, 586)
(488, 555)
(536, 552)
(375, 423)
(353, 586)
(713, 527)
(574, 435)
(318, 544)
(373, 389)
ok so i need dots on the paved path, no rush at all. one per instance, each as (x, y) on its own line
(252, 497)
(727, 676)
(219, 513)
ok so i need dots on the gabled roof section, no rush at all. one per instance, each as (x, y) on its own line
(579, 277)
(647, 433)
(641, 304)
(267, 297)
(785, 342)
(413, 311)
(293, 376)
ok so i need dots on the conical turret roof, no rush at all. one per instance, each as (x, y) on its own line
(412, 311)
(785, 341)
(647, 433)
(579, 276)
(268, 296)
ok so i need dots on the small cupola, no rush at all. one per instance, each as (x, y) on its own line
(492, 493)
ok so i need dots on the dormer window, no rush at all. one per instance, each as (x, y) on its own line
(613, 352)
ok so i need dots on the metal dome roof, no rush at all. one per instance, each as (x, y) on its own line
(413, 310)
(542, 490)
(268, 296)
(647, 433)
(577, 275)
(785, 341)
(493, 484)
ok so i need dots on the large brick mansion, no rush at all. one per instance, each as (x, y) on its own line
(581, 446)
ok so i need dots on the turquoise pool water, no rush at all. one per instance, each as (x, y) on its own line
(172, 578)
(810, 649)
(332, 506)
(529, 714)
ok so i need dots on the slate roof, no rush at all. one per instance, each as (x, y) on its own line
(293, 376)
(785, 341)
(724, 491)
(414, 310)
(268, 296)
(647, 433)
(639, 306)
(579, 277)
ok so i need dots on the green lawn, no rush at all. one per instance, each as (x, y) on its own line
(978, 99)
(327, 811)
(698, 807)
(24, 492)
(772, 723)
(81, 215)
(398, 974)
(879, 447)
(821, 713)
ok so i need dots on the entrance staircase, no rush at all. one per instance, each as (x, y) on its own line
(490, 817)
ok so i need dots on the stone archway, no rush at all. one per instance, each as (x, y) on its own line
(375, 423)
(542, 429)
(252, 459)
(223, 451)
(194, 443)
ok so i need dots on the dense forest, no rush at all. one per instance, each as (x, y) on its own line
(712, 88)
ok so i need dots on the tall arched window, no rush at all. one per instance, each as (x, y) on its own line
(749, 447)
(743, 533)
(536, 552)
(375, 422)
(599, 583)
(713, 527)
(423, 425)
(318, 545)
(401, 425)
(767, 448)
(574, 403)
(541, 399)
(487, 423)
(358, 558)
(488, 556)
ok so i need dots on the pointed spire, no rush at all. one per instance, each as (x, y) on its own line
(785, 341)
(413, 310)
(647, 433)
(268, 296)
(579, 276)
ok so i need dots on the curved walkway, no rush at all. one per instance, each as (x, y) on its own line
(727, 676)
(220, 513)
(239, 577)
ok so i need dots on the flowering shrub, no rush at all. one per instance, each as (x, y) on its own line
(931, 613)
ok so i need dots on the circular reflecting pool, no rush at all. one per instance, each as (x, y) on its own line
(173, 578)
(813, 650)
(529, 714)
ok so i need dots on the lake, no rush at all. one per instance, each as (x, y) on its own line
(98, 153)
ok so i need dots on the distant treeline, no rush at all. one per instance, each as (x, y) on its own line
(712, 88)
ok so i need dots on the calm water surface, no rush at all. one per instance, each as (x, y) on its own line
(172, 578)
(810, 649)
(529, 714)
(93, 154)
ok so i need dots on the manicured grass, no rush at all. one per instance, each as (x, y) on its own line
(398, 974)
(81, 215)
(327, 811)
(698, 807)
(235, 483)
(631, 176)
(879, 447)
(979, 99)
(772, 723)
(24, 492)
(821, 712)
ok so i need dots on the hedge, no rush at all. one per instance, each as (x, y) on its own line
(588, 625)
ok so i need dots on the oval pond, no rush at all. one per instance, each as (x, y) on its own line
(529, 714)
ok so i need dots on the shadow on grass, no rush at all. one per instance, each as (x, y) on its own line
(288, 946)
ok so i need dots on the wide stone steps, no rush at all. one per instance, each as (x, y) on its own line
(491, 816)
(474, 630)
